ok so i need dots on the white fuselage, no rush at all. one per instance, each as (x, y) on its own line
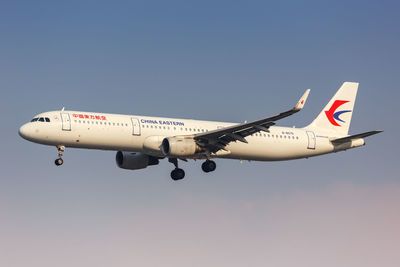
(129, 133)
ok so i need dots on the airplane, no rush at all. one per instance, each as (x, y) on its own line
(142, 141)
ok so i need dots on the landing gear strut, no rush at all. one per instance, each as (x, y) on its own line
(177, 173)
(61, 150)
(208, 166)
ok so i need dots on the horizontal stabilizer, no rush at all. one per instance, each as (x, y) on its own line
(352, 137)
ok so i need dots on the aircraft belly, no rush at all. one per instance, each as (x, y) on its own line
(103, 138)
(270, 150)
(276, 149)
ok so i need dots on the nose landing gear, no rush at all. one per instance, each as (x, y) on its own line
(59, 161)
(61, 150)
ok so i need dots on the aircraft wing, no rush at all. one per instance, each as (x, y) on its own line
(215, 140)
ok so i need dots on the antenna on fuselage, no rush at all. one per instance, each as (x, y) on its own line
(62, 110)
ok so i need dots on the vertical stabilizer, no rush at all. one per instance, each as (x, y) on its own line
(335, 118)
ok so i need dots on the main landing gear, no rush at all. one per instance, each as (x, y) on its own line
(208, 166)
(177, 173)
(61, 150)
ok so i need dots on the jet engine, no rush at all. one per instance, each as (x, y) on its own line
(134, 160)
(179, 146)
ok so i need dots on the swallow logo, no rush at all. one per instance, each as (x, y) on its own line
(333, 116)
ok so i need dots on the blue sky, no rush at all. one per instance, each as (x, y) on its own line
(209, 60)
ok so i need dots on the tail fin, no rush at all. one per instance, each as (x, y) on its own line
(335, 118)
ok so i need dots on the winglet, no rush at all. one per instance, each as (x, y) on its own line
(302, 101)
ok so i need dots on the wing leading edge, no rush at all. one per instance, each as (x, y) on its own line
(215, 140)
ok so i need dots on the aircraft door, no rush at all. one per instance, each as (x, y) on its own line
(66, 122)
(311, 140)
(135, 126)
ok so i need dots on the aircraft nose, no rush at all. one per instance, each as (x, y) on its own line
(24, 131)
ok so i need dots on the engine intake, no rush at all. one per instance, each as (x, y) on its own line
(179, 146)
(134, 160)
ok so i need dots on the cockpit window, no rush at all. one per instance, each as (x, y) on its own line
(41, 119)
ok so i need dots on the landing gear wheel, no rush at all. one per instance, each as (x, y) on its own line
(208, 166)
(59, 161)
(177, 174)
(60, 149)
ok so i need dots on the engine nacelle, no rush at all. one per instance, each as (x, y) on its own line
(134, 160)
(179, 146)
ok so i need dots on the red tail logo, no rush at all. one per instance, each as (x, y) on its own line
(333, 116)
